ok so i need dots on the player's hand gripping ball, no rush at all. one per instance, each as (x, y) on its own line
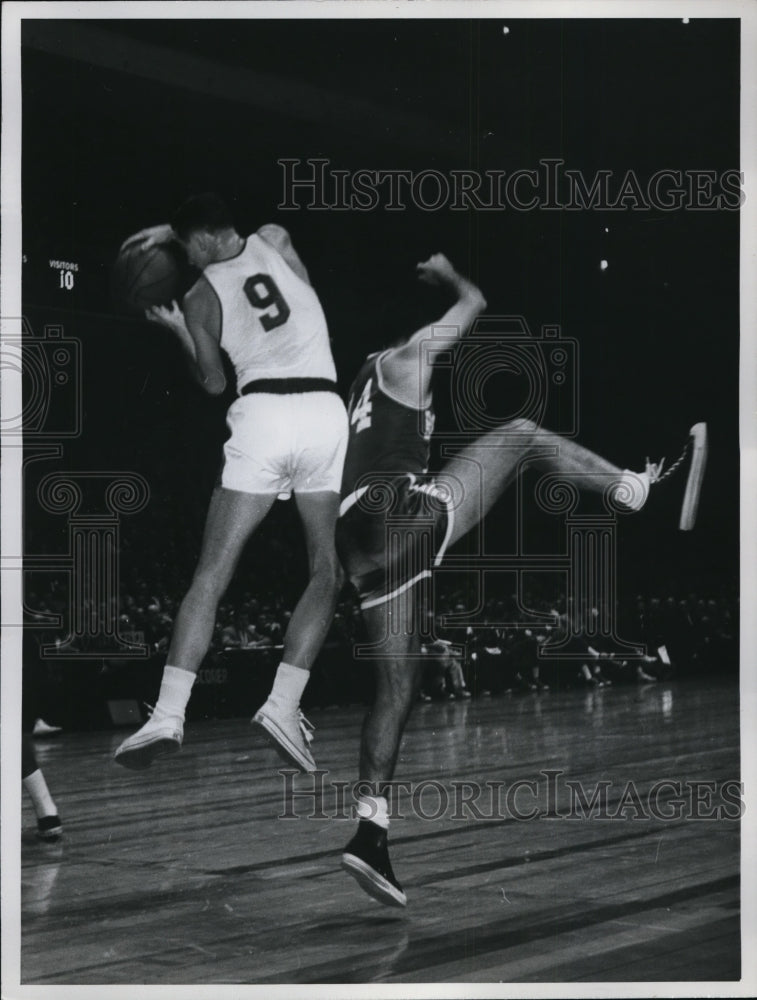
(146, 275)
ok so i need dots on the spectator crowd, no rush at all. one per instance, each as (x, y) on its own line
(508, 646)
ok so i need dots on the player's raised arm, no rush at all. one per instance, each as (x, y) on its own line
(470, 301)
(405, 368)
(198, 328)
(150, 237)
(280, 240)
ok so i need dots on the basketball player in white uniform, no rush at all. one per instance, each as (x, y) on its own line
(288, 435)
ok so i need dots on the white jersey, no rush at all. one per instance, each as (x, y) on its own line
(272, 324)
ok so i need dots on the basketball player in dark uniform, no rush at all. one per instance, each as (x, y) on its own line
(395, 523)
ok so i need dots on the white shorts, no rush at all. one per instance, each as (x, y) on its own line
(284, 443)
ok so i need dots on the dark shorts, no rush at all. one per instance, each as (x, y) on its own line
(391, 532)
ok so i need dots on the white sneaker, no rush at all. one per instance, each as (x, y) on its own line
(697, 465)
(155, 738)
(289, 733)
(634, 486)
(42, 728)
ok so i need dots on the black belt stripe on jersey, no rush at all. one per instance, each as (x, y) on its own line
(285, 386)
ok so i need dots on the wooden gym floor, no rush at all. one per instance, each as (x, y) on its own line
(184, 873)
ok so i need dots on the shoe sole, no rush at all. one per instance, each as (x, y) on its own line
(138, 758)
(371, 882)
(278, 739)
(696, 475)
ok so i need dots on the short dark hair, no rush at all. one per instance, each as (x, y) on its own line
(206, 211)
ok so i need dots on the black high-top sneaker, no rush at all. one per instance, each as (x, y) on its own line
(366, 858)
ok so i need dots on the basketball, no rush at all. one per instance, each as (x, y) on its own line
(153, 277)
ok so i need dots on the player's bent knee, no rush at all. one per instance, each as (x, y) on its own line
(526, 430)
(521, 425)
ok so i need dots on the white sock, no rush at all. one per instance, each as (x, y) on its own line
(42, 800)
(373, 808)
(633, 489)
(175, 689)
(288, 685)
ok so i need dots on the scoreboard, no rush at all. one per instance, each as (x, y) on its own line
(59, 276)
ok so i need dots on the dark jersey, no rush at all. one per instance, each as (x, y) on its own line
(385, 435)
